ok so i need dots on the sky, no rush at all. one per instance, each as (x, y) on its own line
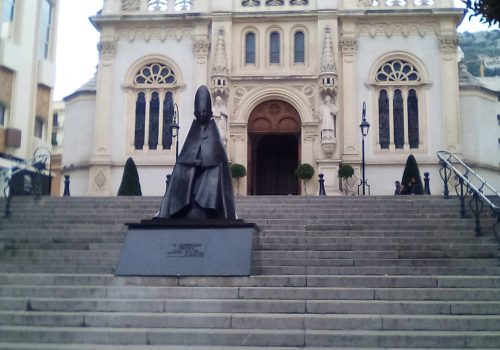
(76, 52)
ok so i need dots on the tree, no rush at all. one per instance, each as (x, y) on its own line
(304, 172)
(412, 181)
(130, 185)
(238, 171)
(487, 10)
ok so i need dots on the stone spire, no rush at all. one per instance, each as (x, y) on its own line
(327, 59)
(220, 60)
(220, 69)
(328, 71)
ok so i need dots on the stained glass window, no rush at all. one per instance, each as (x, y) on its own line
(154, 114)
(413, 132)
(383, 115)
(274, 48)
(299, 47)
(140, 116)
(250, 48)
(168, 114)
(398, 112)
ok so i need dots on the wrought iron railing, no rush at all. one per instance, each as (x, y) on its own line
(469, 184)
(40, 162)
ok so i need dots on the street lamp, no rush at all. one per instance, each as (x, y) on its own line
(364, 126)
(174, 125)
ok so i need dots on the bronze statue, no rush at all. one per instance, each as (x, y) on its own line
(200, 187)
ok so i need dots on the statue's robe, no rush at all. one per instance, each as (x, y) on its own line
(201, 179)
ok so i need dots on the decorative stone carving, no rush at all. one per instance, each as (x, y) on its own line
(327, 116)
(201, 47)
(220, 70)
(390, 29)
(328, 70)
(275, 2)
(250, 3)
(349, 44)
(299, 2)
(448, 42)
(221, 116)
(130, 5)
(106, 48)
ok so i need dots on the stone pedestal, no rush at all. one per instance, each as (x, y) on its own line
(187, 248)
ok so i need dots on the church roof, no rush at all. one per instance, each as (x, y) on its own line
(89, 87)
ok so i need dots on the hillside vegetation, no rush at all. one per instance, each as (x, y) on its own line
(478, 44)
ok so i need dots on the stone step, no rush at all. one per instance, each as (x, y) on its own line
(332, 281)
(379, 262)
(409, 307)
(251, 321)
(268, 293)
(263, 338)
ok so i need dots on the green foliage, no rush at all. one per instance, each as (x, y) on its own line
(238, 170)
(304, 171)
(486, 43)
(412, 172)
(130, 185)
(345, 171)
(487, 10)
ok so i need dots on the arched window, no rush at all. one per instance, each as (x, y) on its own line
(299, 47)
(250, 48)
(274, 47)
(154, 106)
(399, 84)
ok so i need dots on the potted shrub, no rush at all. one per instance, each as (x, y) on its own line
(238, 171)
(304, 172)
(130, 185)
(345, 171)
(412, 181)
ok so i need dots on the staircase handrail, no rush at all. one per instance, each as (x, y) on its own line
(466, 179)
(38, 162)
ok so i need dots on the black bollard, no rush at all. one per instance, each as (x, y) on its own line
(427, 188)
(167, 182)
(66, 186)
(321, 185)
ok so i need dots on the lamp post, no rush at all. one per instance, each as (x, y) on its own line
(174, 125)
(364, 126)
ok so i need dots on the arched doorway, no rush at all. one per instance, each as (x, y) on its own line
(273, 150)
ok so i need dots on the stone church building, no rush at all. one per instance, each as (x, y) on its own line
(288, 80)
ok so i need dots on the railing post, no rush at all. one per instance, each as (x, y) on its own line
(321, 185)
(8, 197)
(476, 208)
(66, 186)
(427, 188)
(445, 174)
(462, 196)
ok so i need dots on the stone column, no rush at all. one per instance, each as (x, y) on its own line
(100, 162)
(450, 104)
(237, 149)
(348, 43)
(201, 46)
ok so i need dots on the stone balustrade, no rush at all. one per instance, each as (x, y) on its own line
(207, 6)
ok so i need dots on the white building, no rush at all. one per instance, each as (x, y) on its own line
(273, 67)
(27, 75)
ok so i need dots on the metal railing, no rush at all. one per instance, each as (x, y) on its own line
(38, 162)
(469, 183)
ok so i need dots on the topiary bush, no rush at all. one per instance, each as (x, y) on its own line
(238, 171)
(412, 181)
(130, 185)
(304, 172)
(345, 171)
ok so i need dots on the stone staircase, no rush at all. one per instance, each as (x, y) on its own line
(328, 272)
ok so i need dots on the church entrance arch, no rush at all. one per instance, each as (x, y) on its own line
(273, 150)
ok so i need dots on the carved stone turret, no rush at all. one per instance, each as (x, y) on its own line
(328, 70)
(220, 70)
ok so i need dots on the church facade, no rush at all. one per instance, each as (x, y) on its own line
(288, 78)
